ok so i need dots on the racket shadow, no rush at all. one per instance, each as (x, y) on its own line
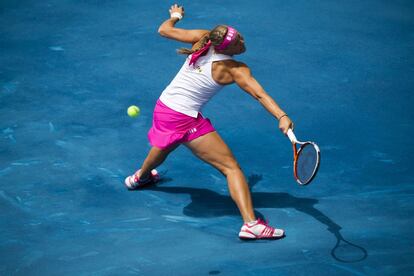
(207, 203)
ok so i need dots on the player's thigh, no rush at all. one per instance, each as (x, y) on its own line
(212, 149)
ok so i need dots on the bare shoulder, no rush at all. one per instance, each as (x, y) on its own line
(238, 69)
(231, 63)
(226, 71)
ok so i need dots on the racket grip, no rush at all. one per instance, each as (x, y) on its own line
(291, 136)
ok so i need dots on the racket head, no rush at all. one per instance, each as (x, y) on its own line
(306, 162)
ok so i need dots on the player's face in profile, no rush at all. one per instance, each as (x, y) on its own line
(238, 45)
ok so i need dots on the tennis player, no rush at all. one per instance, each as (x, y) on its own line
(177, 119)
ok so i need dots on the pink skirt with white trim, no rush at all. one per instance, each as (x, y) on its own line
(170, 127)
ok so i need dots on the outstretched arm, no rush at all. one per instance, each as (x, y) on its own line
(242, 76)
(167, 28)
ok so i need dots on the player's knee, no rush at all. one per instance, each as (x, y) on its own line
(230, 166)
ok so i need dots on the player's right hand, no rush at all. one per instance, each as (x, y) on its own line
(284, 124)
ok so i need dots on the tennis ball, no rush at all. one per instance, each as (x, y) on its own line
(133, 111)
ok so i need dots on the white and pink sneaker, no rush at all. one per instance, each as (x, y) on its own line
(260, 229)
(133, 182)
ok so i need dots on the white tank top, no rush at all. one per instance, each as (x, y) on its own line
(193, 86)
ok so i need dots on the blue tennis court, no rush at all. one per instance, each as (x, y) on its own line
(69, 69)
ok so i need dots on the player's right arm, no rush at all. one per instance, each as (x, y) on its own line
(242, 75)
(167, 28)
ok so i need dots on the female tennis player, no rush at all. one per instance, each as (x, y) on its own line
(177, 118)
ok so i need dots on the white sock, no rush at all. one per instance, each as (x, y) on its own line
(250, 224)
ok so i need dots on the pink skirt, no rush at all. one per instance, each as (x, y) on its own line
(170, 127)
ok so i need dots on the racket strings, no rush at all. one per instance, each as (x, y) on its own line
(307, 163)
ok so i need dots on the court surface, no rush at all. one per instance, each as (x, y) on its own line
(344, 72)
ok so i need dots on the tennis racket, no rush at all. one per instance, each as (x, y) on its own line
(305, 160)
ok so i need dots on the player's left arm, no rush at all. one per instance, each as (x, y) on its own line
(167, 28)
(242, 75)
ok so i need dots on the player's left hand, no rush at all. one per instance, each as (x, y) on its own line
(177, 8)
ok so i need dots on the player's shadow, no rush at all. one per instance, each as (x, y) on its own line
(207, 203)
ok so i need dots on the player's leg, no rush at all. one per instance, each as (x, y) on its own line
(155, 157)
(213, 150)
(147, 174)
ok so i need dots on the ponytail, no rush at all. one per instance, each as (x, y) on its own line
(216, 36)
(197, 46)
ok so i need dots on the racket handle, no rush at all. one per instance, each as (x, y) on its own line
(291, 136)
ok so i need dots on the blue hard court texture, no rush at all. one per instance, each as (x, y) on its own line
(342, 70)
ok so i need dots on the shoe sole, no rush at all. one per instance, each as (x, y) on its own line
(139, 187)
(256, 239)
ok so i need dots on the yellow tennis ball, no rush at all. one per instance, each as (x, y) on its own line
(133, 111)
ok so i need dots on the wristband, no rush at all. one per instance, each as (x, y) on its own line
(284, 115)
(177, 15)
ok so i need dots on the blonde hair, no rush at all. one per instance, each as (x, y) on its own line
(216, 36)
